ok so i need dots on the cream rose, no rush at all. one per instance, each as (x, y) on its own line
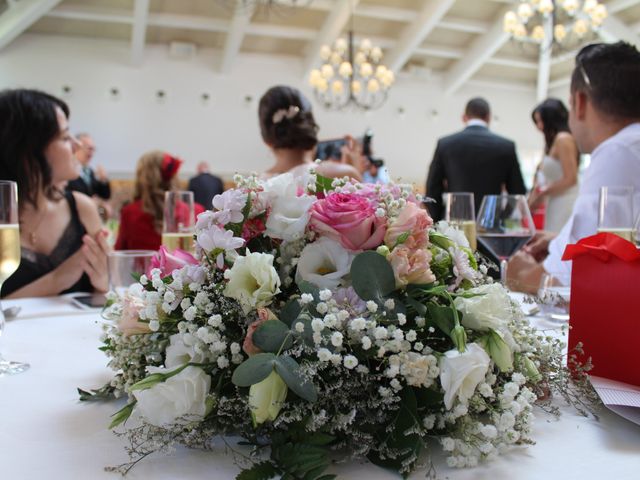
(252, 281)
(182, 395)
(491, 308)
(460, 373)
(266, 398)
(324, 263)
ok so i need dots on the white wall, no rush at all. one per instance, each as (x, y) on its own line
(225, 131)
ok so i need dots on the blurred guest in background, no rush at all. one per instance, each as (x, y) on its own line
(89, 182)
(63, 248)
(557, 175)
(604, 119)
(289, 129)
(205, 186)
(141, 221)
(375, 172)
(473, 160)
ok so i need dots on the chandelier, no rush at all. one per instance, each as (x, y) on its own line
(351, 76)
(571, 20)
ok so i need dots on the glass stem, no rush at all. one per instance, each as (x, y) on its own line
(503, 271)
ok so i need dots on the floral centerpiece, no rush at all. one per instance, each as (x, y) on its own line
(325, 319)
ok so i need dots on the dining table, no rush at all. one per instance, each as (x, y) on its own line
(46, 432)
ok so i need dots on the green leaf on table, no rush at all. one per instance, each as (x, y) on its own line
(104, 393)
(301, 461)
(289, 370)
(272, 336)
(259, 471)
(122, 415)
(253, 370)
(372, 276)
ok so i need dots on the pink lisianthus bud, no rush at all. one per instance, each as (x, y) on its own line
(413, 221)
(168, 262)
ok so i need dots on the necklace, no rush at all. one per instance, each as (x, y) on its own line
(33, 236)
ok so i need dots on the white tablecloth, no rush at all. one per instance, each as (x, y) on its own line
(46, 432)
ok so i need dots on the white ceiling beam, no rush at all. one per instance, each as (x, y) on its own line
(414, 34)
(559, 82)
(237, 29)
(332, 27)
(464, 25)
(613, 29)
(91, 13)
(21, 16)
(481, 50)
(616, 6)
(544, 70)
(187, 22)
(381, 12)
(279, 31)
(565, 57)
(440, 51)
(513, 62)
(139, 31)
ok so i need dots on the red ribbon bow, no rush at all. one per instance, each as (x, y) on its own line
(170, 166)
(603, 246)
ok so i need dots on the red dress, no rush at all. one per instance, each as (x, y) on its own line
(137, 231)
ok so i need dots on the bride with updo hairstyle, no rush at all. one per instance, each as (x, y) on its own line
(289, 129)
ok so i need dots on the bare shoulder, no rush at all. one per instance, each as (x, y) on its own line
(564, 139)
(338, 170)
(88, 212)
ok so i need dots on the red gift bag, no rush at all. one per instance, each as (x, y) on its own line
(605, 305)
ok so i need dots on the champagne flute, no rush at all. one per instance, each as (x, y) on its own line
(179, 221)
(615, 211)
(9, 255)
(460, 212)
(504, 226)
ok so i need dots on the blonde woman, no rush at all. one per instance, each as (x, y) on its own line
(141, 220)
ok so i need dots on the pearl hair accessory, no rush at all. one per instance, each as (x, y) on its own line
(283, 113)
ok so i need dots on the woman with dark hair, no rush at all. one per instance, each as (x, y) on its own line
(141, 221)
(557, 175)
(290, 131)
(63, 247)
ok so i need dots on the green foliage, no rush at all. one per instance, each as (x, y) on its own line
(259, 471)
(272, 336)
(104, 393)
(289, 370)
(122, 415)
(300, 461)
(372, 276)
(308, 287)
(323, 184)
(441, 317)
(290, 311)
(253, 370)
(156, 378)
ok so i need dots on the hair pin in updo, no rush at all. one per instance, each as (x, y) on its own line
(283, 113)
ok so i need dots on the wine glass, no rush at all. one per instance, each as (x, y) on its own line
(615, 211)
(504, 226)
(179, 221)
(9, 255)
(554, 295)
(126, 266)
(460, 212)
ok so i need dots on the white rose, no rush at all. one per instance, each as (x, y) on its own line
(178, 396)
(289, 213)
(490, 309)
(324, 263)
(252, 281)
(452, 233)
(460, 373)
(178, 353)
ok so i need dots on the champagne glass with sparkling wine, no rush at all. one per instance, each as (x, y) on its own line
(179, 221)
(9, 255)
(460, 212)
(504, 226)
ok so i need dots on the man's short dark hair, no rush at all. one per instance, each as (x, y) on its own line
(610, 75)
(478, 108)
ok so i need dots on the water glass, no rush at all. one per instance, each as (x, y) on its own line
(554, 294)
(126, 266)
(459, 211)
(179, 221)
(615, 211)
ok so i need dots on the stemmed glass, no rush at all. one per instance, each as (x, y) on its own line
(9, 255)
(179, 221)
(615, 211)
(504, 226)
(126, 266)
(460, 212)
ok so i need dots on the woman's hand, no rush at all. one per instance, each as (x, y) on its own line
(535, 198)
(68, 272)
(94, 252)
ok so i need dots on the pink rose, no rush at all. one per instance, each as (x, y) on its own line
(411, 266)
(249, 348)
(349, 219)
(129, 323)
(168, 262)
(413, 220)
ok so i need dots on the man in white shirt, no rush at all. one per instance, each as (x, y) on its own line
(605, 122)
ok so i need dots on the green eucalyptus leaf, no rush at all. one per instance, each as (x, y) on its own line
(290, 311)
(289, 370)
(372, 276)
(308, 287)
(253, 370)
(272, 336)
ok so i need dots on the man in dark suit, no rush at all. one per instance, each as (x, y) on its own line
(89, 182)
(205, 186)
(473, 160)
